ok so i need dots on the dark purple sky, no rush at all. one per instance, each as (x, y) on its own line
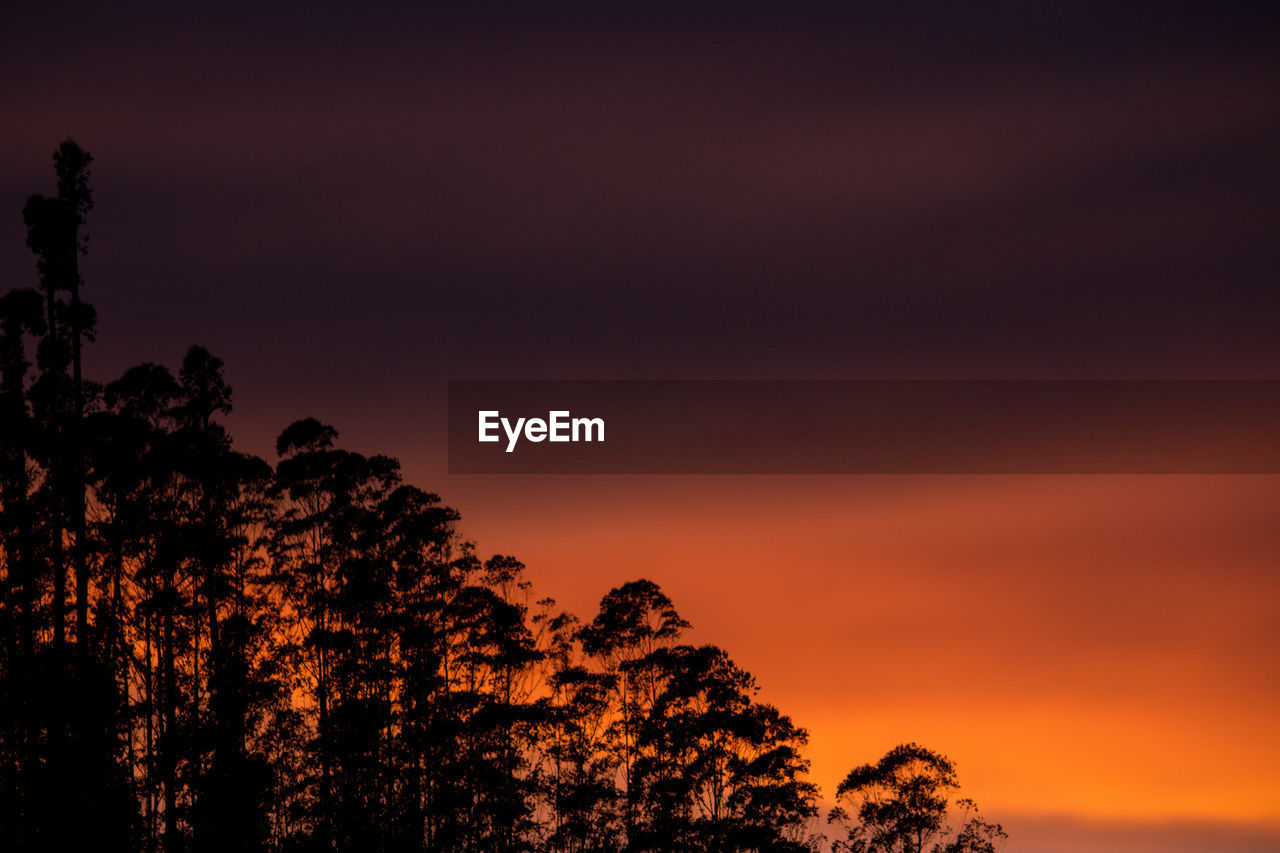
(372, 202)
(352, 206)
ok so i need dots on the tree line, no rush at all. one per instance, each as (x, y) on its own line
(201, 650)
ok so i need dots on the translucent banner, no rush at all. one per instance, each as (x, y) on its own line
(864, 427)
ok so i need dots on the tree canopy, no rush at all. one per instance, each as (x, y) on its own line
(902, 804)
(202, 650)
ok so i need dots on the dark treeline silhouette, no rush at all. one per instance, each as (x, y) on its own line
(202, 651)
(902, 804)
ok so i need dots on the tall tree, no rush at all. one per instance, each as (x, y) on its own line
(323, 543)
(71, 163)
(581, 784)
(142, 485)
(83, 721)
(21, 317)
(902, 804)
(54, 235)
(636, 622)
(718, 770)
(310, 657)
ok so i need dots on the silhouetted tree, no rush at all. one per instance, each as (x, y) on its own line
(902, 804)
(718, 771)
(581, 773)
(417, 545)
(82, 722)
(636, 621)
(310, 658)
(21, 774)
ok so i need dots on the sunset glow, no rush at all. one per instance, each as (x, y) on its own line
(351, 211)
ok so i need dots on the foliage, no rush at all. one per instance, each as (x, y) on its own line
(306, 655)
(901, 804)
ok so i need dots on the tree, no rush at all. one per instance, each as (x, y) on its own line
(719, 771)
(310, 658)
(83, 718)
(705, 766)
(636, 621)
(53, 234)
(21, 316)
(323, 543)
(580, 777)
(901, 804)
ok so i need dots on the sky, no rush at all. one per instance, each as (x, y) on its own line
(353, 207)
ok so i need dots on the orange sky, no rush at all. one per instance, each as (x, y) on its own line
(1104, 647)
